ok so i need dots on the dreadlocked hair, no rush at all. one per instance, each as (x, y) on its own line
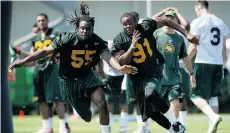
(129, 14)
(84, 16)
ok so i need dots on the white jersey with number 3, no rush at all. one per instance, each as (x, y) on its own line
(211, 31)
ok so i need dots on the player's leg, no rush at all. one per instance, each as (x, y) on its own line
(203, 74)
(113, 96)
(53, 94)
(216, 91)
(124, 112)
(38, 82)
(186, 87)
(98, 98)
(175, 96)
(152, 88)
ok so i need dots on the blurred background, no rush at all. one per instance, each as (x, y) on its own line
(107, 16)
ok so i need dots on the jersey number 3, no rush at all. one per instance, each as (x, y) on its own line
(140, 53)
(79, 61)
(216, 36)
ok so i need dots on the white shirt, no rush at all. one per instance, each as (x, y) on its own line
(109, 70)
(228, 54)
(211, 31)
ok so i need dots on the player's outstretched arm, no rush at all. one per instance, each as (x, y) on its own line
(126, 69)
(162, 21)
(32, 57)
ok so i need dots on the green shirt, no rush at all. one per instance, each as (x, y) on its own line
(77, 57)
(145, 57)
(172, 47)
(40, 44)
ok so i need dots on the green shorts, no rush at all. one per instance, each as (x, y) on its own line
(209, 79)
(115, 95)
(47, 85)
(78, 91)
(140, 84)
(171, 92)
(185, 85)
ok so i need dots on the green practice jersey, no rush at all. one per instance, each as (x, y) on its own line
(172, 47)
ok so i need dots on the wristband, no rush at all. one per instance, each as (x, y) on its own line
(191, 73)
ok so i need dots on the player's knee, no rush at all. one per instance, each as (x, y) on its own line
(148, 92)
(101, 103)
(213, 101)
(87, 119)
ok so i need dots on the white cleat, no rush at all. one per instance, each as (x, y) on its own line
(214, 126)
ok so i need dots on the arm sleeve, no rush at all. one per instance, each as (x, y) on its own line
(61, 40)
(149, 24)
(183, 51)
(117, 44)
(194, 29)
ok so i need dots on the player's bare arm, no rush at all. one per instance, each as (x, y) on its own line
(112, 61)
(192, 49)
(182, 20)
(224, 54)
(160, 13)
(124, 58)
(188, 65)
(99, 69)
(161, 21)
(32, 57)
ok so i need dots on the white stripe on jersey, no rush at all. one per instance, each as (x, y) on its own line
(211, 31)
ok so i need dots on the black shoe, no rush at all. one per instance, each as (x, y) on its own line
(178, 127)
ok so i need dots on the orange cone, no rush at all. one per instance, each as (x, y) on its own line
(21, 114)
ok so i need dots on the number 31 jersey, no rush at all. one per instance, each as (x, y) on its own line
(211, 31)
(145, 57)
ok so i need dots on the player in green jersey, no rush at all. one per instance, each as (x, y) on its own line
(172, 47)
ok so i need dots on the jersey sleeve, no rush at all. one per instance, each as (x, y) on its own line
(117, 44)
(62, 40)
(155, 34)
(194, 29)
(226, 31)
(183, 49)
(103, 45)
(149, 24)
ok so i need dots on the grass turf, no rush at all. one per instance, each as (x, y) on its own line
(195, 124)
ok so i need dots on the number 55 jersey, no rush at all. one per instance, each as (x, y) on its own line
(211, 31)
(77, 57)
(145, 57)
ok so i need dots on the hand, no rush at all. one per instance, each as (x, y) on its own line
(174, 9)
(17, 63)
(127, 69)
(192, 39)
(11, 75)
(135, 37)
(193, 81)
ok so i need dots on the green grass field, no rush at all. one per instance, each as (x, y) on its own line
(195, 124)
